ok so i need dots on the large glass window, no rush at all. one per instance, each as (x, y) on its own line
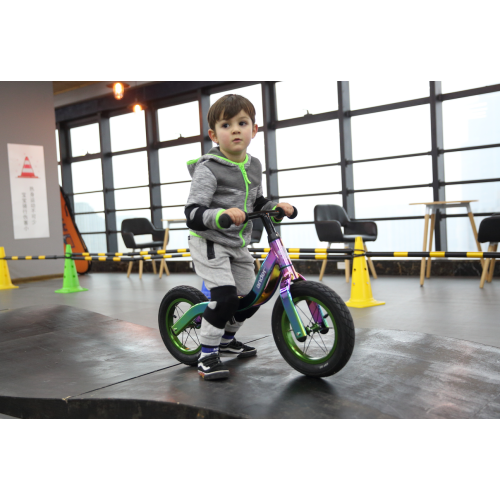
(127, 199)
(471, 121)
(87, 176)
(175, 194)
(368, 93)
(57, 146)
(391, 133)
(391, 173)
(487, 195)
(398, 236)
(310, 181)
(96, 243)
(85, 140)
(91, 223)
(173, 162)
(179, 121)
(460, 235)
(257, 149)
(448, 86)
(298, 98)
(253, 93)
(128, 131)
(308, 145)
(392, 203)
(305, 205)
(88, 202)
(472, 164)
(130, 170)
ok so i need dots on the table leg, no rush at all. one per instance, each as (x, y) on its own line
(323, 265)
(422, 264)
(492, 264)
(433, 221)
(163, 264)
(484, 274)
(474, 230)
(370, 264)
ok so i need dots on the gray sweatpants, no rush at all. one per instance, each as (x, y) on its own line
(219, 265)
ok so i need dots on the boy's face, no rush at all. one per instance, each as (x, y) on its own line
(234, 135)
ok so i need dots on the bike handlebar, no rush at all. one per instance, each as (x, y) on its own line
(225, 221)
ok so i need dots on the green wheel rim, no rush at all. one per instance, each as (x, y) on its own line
(187, 341)
(318, 347)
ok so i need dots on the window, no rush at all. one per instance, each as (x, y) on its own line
(308, 145)
(448, 86)
(173, 162)
(471, 121)
(310, 181)
(130, 170)
(88, 202)
(85, 140)
(391, 173)
(305, 205)
(127, 199)
(179, 121)
(128, 131)
(369, 93)
(175, 194)
(471, 165)
(87, 176)
(391, 133)
(298, 98)
(393, 203)
(487, 194)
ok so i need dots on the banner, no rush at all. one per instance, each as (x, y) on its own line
(28, 189)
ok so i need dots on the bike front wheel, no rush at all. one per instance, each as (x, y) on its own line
(329, 342)
(184, 346)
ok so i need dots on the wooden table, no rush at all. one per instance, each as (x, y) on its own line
(163, 264)
(431, 208)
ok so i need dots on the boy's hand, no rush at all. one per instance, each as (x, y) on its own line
(287, 208)
(237, 215)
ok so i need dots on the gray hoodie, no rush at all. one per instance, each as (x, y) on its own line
(219, 184)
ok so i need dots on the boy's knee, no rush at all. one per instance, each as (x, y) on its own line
(223, 305)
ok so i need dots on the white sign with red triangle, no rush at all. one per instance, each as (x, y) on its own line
(28, 190)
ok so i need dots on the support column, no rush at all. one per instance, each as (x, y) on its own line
(438, 190)
(108, 185)
(204, 101)
(65, 154)
(346, 148)
(269, 118)
(153, 166)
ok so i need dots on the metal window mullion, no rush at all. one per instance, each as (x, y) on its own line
(269, 118)
(108, 184)
(346, 149)
(153, 166)
(438, 189)
(65, 155)
(204, 106)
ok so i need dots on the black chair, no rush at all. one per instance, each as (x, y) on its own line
(329, 221)
(489, 232)
(257, 228)
(137, 227)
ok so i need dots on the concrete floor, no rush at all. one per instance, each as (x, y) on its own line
(451, 307)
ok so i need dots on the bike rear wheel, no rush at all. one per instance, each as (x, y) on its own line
(324, 351)
(184, 346)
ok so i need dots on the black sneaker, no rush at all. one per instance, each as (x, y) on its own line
(238, 349)
(210, 367)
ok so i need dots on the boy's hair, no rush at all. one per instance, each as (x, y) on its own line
(228, 106)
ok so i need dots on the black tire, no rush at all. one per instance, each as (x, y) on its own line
(186, 346)
(321, 354)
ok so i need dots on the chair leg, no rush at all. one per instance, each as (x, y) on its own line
(347, 268)
(492, 264)
(323, 266)
(484, 274)
(154, 266)
(371, 266)
(141, 266)
(167, 272)
(130, 264)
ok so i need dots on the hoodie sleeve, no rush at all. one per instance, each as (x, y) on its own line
(198, 215)
(262, 203)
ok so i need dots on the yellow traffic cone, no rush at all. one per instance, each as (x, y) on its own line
(361, 290)
(5, 283)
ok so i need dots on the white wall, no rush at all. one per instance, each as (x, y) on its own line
(27, 117)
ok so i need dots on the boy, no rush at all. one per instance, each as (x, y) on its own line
(225, 181)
